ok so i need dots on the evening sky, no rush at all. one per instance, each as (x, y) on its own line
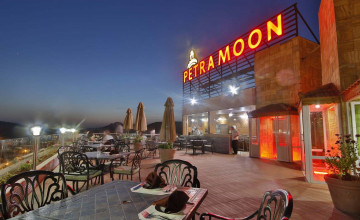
(62, 61)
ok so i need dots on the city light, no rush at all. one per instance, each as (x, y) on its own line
(193, 101)
(233, 90)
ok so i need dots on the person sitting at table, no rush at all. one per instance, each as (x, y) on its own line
(234, 139)
(107, 138)
(90, 136)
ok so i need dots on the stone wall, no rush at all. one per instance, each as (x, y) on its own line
(339, 22)
(328, 38)
(284, 70)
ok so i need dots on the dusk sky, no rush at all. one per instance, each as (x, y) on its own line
(68, 60)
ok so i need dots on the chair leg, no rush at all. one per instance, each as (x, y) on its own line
(139, 176)
(131, 177)
(87, 184)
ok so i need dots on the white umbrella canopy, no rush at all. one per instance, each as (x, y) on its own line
(168, 129)
(128, 122)
(140, 122)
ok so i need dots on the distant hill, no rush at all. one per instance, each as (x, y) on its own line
(157, 126)
(114, 126)
(12, 130)
(111, 127)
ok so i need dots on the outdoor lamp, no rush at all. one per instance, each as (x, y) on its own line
(62, 131)
(73, 131)
(233, 90)
(36, 133)
(193, 101)
(36, 130)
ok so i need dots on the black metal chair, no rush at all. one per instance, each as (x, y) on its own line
(76, 167)
(198, 145)
(275, 205)
(209, 145)
(178, 172)
(151, 148)
(31, 190)
(128, 170)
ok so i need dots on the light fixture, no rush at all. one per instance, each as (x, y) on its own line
(244, 116)
(230, 114)
(36, 133)
(62, 130)
(193, 101)
(72, 130)
(317, 106)
(233, 90)
(192, 120)
(204, 119)
(36, 130)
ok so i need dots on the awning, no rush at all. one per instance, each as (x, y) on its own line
(325, 94)
(273, 110)
(352, 91)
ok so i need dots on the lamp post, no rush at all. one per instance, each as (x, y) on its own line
(62, 131)
(73, 130)
(36, 133)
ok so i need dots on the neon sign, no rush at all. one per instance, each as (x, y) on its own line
(232, 51)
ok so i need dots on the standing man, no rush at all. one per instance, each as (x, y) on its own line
(234, 139)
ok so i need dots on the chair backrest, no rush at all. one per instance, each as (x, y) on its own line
(150, 145)
(178, 172)
(197, 143)
(31, 190)
(276, 205)
(74, 163)
(136, 160)
(123, 147)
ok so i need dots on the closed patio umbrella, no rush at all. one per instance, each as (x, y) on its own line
(128, 122)
(140, 122)
(168, 129)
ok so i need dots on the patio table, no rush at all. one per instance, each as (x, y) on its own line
(202, 146)
(112, 200)
(100, 157)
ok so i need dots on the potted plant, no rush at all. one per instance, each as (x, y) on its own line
(344, 179)
(137, 143)
(166, 152)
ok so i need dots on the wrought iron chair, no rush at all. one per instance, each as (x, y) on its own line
(197, 145)
(122, 161)
(178, 172)
(128, 170)
(275, 205)
(209, 145)
(76, 167)
(31, 190)
(151, 148)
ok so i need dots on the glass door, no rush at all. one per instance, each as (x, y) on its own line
(355, 117)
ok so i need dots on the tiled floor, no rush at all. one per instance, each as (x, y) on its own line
(236, 184)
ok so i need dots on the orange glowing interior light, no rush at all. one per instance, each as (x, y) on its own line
(224, 57)
(258, 32)
(320, 172)
(267, 138)
(272, 27)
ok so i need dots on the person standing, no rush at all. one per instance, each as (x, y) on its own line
(234, 139)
